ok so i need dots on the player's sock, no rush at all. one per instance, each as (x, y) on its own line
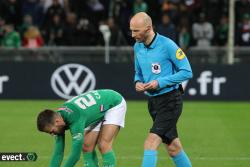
(149, 158)
(90, 159)
(109, 159)
(182, 160)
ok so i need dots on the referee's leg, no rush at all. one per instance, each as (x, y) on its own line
(171, 140)
(175, 150)
(151, 145)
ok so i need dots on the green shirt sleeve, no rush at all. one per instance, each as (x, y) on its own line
(58, 151)
(77, 131)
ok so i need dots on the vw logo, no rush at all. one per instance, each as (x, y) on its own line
(70, 80)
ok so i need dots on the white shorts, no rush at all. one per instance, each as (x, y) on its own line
(114, 116)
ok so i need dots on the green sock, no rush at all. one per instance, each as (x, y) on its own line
(90, 159)
(109, 159)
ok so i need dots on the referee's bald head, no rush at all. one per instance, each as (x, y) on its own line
(141, 19)
(141, 28)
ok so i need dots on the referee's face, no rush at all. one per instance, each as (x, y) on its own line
(139, 31)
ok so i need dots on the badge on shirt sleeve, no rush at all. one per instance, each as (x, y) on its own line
(102, 108)
(180, 54)
(69, 111)
(156, 68)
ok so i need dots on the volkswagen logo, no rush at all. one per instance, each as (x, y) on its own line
(70, 80)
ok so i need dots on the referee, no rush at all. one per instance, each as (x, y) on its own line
(160, 67)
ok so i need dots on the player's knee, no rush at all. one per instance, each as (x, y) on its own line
(152, 142)
(87, 148)
(174, 148)
(104, 146)
(173, 151)
(149, 146)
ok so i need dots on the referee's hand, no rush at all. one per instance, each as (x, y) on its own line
(151, 85)
(139, 87)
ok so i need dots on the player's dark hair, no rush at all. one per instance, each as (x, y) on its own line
(45, 118)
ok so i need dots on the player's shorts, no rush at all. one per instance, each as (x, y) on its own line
(165, 111)
(114, 116)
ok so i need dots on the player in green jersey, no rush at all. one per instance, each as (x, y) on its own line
(93, 118)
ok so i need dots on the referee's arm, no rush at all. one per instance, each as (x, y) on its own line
(184, 71)
(138, 73)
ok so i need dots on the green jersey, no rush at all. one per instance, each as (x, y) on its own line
(78, 113)
(11, 40)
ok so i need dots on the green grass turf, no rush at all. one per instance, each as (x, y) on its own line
(214, 134)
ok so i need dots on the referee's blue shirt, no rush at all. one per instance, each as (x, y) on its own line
(163, 61)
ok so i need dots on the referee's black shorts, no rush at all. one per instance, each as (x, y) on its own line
(165, 110)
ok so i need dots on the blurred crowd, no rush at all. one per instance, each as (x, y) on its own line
(37, 23)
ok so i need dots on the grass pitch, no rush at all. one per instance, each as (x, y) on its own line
(214, 134)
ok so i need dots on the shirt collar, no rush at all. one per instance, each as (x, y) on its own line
(152, 43)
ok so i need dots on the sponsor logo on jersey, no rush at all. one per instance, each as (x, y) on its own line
(180, 54)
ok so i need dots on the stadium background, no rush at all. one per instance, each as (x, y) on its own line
(51, 50)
